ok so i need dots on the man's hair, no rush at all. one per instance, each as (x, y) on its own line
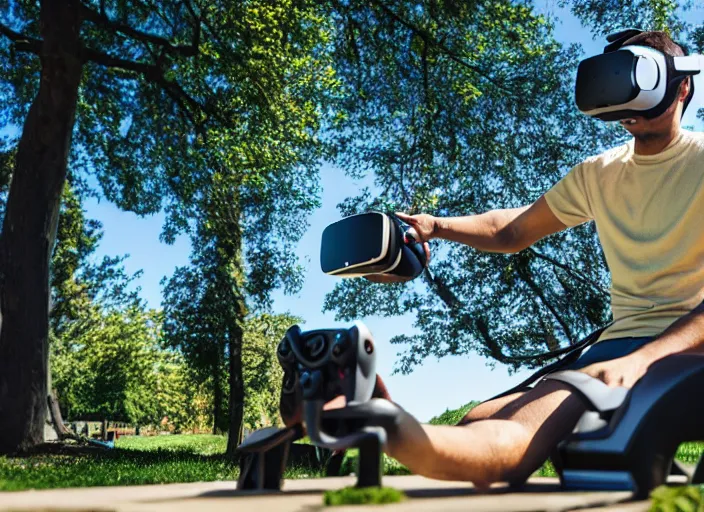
(659, 40)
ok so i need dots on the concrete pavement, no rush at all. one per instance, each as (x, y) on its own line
(305, 496)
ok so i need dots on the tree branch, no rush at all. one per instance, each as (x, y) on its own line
(428, 38)
(154, 74)
(108, 61)
(102, 20)
(479, 325)
(596, 286)
(22, 42)
(539, 293)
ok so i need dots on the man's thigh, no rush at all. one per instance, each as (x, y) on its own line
(486, 410)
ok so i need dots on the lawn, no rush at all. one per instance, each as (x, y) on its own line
(134, 461)
(178, 458)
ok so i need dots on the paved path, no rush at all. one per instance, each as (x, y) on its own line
(540, 494)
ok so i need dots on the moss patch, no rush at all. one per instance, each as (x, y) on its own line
(677, 499)
(363, 496)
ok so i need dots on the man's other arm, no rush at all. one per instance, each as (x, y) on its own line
(506, 231)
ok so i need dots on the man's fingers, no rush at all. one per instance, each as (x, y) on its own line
(380, 390)
(426, 246)
(407, 218)
(336, 403)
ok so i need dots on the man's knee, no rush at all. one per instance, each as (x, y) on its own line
(537, 422)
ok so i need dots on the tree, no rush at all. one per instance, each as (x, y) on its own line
(263, 375)
(207, 316)
(607, 17)
(150, 98)
(453, 125)
(193, 326)
(106, 365)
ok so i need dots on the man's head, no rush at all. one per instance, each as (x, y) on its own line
(648, 129)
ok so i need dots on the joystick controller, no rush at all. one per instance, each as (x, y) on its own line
(322, 365)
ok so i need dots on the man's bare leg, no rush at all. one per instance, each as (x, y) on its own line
(486, 410)
(508, 446)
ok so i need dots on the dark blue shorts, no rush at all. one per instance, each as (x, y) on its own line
(607, 350)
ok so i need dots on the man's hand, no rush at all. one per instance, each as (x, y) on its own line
(386, 278)
(624, 371)
(425, 225)
(291, 405)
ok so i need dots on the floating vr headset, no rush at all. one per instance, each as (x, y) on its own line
(630, 81)
(371, 243)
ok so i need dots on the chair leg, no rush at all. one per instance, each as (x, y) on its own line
(698, 477)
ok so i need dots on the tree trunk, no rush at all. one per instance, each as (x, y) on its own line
(29, 228)
(234, 437)
(217, 399)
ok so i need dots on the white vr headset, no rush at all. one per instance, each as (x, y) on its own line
(633, 80)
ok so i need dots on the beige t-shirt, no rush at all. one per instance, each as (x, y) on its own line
(649, 214)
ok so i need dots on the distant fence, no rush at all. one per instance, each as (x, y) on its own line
(102, 428)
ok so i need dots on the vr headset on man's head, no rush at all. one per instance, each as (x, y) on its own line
(633, 80)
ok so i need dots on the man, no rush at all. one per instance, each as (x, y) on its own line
(647, 199)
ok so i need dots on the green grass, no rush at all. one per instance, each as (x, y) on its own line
(364, 496)
(453, 416)
(197, 444)
(391, 466)
(135, 461)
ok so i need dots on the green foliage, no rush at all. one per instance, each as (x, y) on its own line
(688, 498)
(363, 496)
(453, 416)
(106, 349)
(350, 464)
(105, 366)
(186, 405)
(452, 124)
(690, 453)
(261, 370)
(201, 309)
(606, 17)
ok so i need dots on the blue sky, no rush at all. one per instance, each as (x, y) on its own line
(431, 388)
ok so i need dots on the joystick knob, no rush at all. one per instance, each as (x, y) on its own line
(311, 384)
(285, 354)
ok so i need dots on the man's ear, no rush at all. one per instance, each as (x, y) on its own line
(684, 88)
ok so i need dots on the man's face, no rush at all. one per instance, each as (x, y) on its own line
(646, 129)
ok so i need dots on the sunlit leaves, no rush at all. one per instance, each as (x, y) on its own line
(467, 110)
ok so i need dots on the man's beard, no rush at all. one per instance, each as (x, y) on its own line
(650, 136)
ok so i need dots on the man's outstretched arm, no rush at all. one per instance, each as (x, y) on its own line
(506, 231)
